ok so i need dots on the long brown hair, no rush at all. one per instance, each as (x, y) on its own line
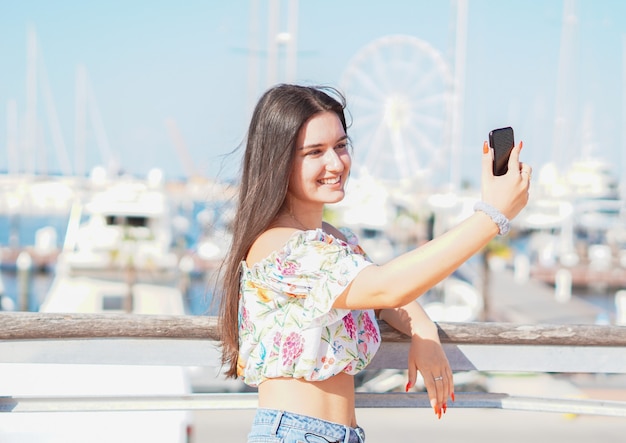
(270, 150)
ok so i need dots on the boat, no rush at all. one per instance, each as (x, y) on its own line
(574, 228)
(126, 225)
(117, 259)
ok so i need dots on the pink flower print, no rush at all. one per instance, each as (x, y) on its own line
(276, 344)
(362, 349)
(348, 322)
(277, 338)
(371, 333)
(245, 320)
(328, 362)
(288, 267)
(292, 348)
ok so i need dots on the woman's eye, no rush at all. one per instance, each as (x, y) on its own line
(341, 146)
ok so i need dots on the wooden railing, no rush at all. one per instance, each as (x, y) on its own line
(192, 341)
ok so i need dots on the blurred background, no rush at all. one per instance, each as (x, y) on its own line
(138, 85)
(120, 123)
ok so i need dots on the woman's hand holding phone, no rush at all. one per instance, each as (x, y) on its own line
(508, 192)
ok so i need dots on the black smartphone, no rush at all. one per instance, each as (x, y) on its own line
(502, 142)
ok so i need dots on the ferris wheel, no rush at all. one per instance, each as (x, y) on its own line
(399, 93)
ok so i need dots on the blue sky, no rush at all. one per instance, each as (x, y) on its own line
(187, 61)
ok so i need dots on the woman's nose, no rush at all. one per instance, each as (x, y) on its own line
(333, 161)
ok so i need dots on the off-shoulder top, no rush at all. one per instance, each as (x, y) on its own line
(287, 325)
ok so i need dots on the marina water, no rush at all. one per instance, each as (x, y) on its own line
(19, 231)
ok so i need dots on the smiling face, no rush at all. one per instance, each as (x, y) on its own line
(322, 162)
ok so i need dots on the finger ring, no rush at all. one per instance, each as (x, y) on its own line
(438, 378)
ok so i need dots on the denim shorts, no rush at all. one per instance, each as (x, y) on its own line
(272, 426)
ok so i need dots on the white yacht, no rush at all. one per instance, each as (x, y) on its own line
(127, 224)
(117, 260)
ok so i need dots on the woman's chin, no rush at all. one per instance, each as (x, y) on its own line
(336, 198)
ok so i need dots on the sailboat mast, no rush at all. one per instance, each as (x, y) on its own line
(30, 136)
(622, 177)
(282, 47)
(292, 42)
(80, 121)
(460, 51)
(272, 42)
(566, 90)
(12, 138)
(253, 56)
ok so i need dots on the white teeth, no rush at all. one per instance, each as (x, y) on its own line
(330, 181)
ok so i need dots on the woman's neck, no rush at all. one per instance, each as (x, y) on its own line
(302, 220)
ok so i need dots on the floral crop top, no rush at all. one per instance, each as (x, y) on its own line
(287, 325)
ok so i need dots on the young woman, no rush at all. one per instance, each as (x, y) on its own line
(301, 299)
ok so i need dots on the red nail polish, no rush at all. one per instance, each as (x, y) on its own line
(408, 386)
(452, 396)
(445, 408)
(485, 147)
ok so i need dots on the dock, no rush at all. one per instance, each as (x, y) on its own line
(583, 275)
(533, 301)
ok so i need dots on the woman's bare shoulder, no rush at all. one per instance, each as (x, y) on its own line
(274, 239)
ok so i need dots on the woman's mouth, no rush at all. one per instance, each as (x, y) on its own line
(330, 181)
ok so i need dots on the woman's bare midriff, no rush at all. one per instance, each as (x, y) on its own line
(330, 400)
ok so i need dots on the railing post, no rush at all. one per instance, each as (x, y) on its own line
(620, 307)
(24, 265)
(563, 286)
(2, 302)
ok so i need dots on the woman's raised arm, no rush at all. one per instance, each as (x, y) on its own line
(410, 275)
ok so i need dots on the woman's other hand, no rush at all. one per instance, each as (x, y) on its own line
(426, 355)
